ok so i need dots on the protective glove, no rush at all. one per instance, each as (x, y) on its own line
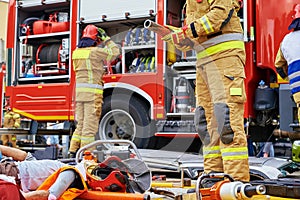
(178, 38)
(102, 35)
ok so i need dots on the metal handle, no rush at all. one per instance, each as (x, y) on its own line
(97, 142)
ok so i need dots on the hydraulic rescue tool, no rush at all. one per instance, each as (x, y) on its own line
(226, 189)
(123, 172)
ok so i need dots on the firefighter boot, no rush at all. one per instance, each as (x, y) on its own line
(71, 154)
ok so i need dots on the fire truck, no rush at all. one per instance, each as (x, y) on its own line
(149, 90)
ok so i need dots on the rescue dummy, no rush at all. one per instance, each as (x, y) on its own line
(88, 61)
(287, 61)
(11, 120)
(28, 172)
(216, 32)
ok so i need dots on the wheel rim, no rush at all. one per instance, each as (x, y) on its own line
(117, 124)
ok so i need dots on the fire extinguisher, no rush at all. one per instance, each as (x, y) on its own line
(182, 95)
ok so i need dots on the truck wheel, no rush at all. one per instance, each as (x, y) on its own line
(125, 118)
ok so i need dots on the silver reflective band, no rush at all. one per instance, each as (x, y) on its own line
(217, 40)
(88, 85)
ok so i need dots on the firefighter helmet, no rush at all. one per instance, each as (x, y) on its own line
(297, 11)
(90, 31)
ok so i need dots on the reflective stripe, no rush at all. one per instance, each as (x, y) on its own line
(76, 137)
(211, 152)
(110, 54)
(88, 138)
(221, 47)
(294, 75)
(88, 85)
(91, 90)
(209, 1)
(89, 71)
(81, 54)
(16, 116)
(219, 39)
(296, 84)
(237, 153)
(206, 25)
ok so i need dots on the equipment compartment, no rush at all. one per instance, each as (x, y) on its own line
(43, 46)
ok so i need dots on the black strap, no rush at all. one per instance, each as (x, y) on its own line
(194, 32)
(228, 18)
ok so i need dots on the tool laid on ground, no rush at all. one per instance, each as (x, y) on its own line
(225, 188)
(122, 171)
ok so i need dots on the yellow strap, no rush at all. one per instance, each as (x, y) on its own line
(220, 47)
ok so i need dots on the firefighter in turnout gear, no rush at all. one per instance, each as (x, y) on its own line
(215, 29)
(287, 61)
(88, 60)
(11, 120)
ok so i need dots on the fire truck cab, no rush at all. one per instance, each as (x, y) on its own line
(149, 88)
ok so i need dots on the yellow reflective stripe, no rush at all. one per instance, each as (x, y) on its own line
(234, 149)
(221, 47)
(110, 45)
(74, 67)
(7, 115)
(212, 155)
(236, 153)
(81, 54)
(209, 1)
(206, 25)
(91, 90)
(89, 71)
(88, 138)
(109, 55)
(211, 148)
(76, 137)
(239, 157)
(15, 116)
(211, 152)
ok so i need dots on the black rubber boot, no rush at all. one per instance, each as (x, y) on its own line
(71, 155)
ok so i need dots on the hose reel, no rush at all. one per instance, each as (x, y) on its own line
(50, 59)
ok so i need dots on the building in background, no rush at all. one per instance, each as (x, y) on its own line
(3, 23)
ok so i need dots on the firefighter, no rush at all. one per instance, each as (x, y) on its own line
(88, 61)
(287, 61)
(216, 32)
(11, 120)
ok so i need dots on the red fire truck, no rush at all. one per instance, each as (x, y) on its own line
(149, 89)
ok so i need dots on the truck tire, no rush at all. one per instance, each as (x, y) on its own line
(125, 117)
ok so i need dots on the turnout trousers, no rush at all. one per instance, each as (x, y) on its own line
(219, 116)
(87, 116)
